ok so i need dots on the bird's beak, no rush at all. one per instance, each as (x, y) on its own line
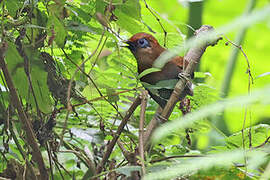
(130, 45)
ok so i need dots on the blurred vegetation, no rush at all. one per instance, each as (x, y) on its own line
(75, 82)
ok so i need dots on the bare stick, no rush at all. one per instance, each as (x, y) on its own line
(151, 126)
(125, 152)
(141, 129)
(158, 20)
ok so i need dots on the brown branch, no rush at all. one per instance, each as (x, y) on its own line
(151, 126)
(23, 153)
(193, 57)
(125, 152)
(111, 145)
(141, 129)
(49, 152)
(30, 136)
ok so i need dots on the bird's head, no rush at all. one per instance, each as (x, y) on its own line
(145, 48)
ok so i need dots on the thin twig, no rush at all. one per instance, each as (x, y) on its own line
(23, 153)
(123, 149)
(151, 127)
(58, 163)
(88, 163)
(158, 20)
(250, 81)
(93, 82)
(97, 56)
(60, 172)
(141, 129)
(264, 143)
(50, 159)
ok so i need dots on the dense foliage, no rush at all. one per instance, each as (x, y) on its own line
(67, 83)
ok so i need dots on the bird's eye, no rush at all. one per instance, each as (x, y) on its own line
(143, 43)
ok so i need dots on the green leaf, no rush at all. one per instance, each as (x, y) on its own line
(131, 8)
(39, 81)
(127, 170)
(168, 84)
(90, 134)
(261, 96)
(80, 13)
(60, 31)
(201, 163)
(15, 65)
(100, 6)
(42, 18)
(148, 71)
(201, 74)
(258, 133)
(111, 97)
(38, 77)
(127, 23)
(12, 7)
(75, 26)
(163, 59)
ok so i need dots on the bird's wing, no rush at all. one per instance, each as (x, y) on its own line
(179, 61)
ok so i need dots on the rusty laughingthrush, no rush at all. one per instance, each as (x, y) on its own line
(159, 84)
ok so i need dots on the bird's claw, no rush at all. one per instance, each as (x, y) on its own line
(160, 118)
(184, 75)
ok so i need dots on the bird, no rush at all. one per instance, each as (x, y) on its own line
(146, 49)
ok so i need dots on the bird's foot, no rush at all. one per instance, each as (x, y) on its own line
(184, 75)
(160, 119)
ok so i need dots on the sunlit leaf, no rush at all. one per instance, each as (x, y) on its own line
(13, 6)
(212, 109)
(193, 165)
(90, 134)
(148, 71)
(60, 31)
(74, 26)
(128, 169)
(15, 65)
(257, 134)
(131, 8)
(132, 26)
